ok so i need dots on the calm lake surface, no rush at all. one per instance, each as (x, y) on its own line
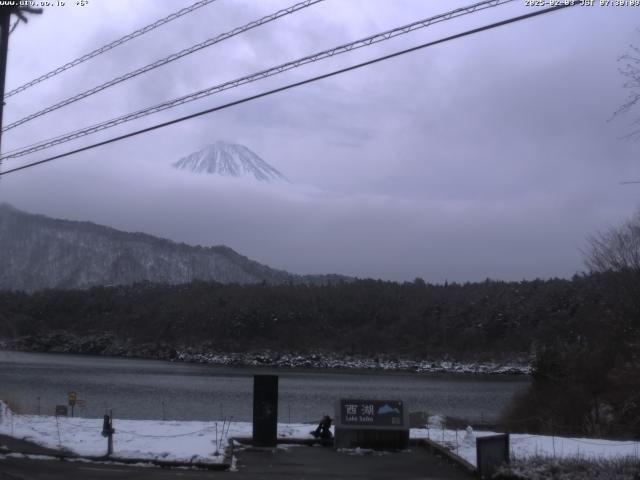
(152, 389)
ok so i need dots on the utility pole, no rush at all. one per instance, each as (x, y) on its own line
(5, 25)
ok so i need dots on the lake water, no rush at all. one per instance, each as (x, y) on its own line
(152, 389)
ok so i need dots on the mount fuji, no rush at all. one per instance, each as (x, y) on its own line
(229, 160)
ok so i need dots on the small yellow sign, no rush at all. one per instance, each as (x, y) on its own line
(72, 398)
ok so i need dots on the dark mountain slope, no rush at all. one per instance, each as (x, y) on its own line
(38, 252)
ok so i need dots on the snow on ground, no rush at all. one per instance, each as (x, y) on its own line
(463, 443)
(164, 440)
(199, 441)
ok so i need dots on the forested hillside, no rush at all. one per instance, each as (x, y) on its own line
(39, 252)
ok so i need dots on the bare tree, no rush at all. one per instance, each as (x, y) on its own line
(616, 249)
(630, 70)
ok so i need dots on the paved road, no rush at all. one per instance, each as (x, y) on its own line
(300, 463)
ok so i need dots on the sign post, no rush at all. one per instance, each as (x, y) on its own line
(72, 400)
(378, 424)
(108, 431)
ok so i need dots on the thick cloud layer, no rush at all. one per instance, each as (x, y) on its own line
(489, 156)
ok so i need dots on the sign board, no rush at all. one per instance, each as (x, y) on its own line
(374, 413)
(72, 398)
(377, 424)
(61, 411)
(491, 452)
(81, 403)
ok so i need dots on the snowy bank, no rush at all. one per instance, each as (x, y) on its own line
(185, 441)
(524, 446)
(190, 441)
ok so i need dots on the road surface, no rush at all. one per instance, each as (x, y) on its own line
(298, 462)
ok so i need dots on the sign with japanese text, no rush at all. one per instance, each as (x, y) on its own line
(379, 413)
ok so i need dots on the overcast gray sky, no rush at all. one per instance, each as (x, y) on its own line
(488, 156)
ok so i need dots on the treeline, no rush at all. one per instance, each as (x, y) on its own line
(467, 321)
(586, 378)
(583, 332)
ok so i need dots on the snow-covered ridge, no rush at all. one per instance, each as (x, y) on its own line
(41, 252)
(229, 160)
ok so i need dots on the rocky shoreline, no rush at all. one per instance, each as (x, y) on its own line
(333, 361)
(109, 345)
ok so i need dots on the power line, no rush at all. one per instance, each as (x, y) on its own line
(364, 42)
(293, 85)
(5, 21)
(109, 46)
(164, 61)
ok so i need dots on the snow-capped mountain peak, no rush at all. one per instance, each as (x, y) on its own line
(229, 160)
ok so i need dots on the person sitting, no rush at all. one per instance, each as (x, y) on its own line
(324, 429)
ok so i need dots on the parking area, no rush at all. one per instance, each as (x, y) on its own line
(303, 462)
(298, 462)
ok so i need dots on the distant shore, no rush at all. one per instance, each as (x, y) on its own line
(107, 345)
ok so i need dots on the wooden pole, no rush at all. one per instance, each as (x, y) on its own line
(5, 25)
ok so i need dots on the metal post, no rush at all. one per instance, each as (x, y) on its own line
(110, 445)
(456, 440)
(108, 431)
(110, 439)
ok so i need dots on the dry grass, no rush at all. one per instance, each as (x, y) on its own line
(574, 468)
(13, 405)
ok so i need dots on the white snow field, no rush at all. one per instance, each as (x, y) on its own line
(191, 441)
(186, 441)
(524, 446)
